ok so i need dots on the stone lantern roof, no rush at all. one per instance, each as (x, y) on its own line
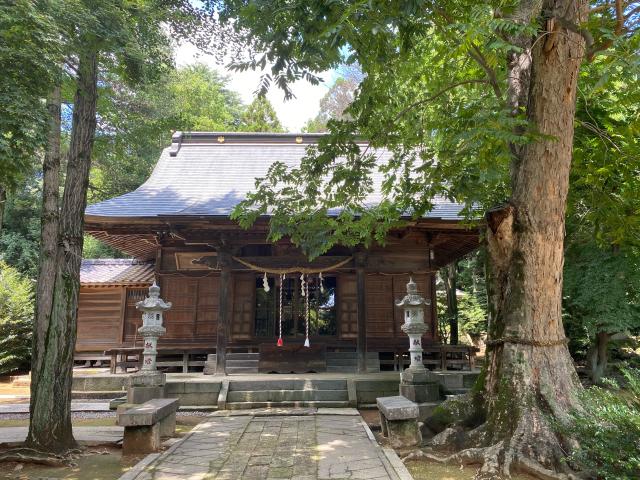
(412, 298)
(153, 301)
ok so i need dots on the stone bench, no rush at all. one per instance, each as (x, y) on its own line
(399, 421)
(145, 424)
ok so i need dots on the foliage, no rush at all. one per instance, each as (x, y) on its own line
(601, 292)
(471, 296)
(136, 123)
(434, 93)
(30, 60)
(604, 198)
(20, 237)
(200, 100)
(260, 116)
(16, 316)
(472, 317)
(601, 281)
(94, 248)
(608, 426)
(334, 103)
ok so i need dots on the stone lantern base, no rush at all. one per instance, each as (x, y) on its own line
(146, 385)
(420, 386)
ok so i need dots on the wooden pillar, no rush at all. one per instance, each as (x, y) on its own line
(224, 263)
(361, 348)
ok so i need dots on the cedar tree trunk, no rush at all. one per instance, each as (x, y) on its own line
(530, 375)
(452, 301)
(3, 202)
(529, 379)
(598, 356)
(59, 282)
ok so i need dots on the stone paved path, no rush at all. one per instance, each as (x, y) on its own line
(295, 447)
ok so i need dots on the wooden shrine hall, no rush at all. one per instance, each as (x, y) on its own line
(235, 296)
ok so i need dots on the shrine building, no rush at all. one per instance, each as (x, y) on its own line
(235, 295)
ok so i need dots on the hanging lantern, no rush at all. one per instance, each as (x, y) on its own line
(265, 283)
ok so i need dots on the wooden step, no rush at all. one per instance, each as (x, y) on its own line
(241, 370)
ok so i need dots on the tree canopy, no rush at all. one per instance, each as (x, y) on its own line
(260, 116)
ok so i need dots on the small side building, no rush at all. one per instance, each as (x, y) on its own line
(107, 315)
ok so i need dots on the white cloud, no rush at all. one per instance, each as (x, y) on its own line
(292, 113)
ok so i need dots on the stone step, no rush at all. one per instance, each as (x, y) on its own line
(351, 369)
(350, 361)
(287, 384)
(243, 356)
(99, 394)
(242, 363)
(311, 404)
(287, 395)
(235, 356)
(336, 355)
(240, 369)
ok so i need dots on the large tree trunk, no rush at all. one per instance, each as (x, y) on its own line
(450, 286)
(530, 380)
(3, 203)
(530, 375)
(59, 283)
(597, 357)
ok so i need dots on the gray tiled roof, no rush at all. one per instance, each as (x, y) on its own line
(110, 271)
(198, 175)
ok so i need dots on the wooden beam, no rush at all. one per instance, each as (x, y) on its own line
(360, 259)
(224, 261)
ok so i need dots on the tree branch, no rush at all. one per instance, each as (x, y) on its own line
(438, 93)
(493, 79)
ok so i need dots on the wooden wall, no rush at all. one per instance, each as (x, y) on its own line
(193, 318)
(108, 317)
(384, 318)
(99, 318)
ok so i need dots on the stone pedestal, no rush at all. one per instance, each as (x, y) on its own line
(142, 440)
(399, 421)
(144, 386)
(419, 386)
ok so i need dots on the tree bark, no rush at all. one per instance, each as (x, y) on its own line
(598, 356)
(529, 379)
(59, 280)
(450, 286)
(530, 375)
(3, 203)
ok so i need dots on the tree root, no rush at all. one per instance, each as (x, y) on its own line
(30, 455)
(492, 463)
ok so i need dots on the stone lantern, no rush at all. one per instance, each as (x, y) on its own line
(417, 383)
(152, 309)
(413, 305)
(149, 383)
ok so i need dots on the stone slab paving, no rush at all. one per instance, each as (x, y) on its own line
(85, 435)
(294, 447)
